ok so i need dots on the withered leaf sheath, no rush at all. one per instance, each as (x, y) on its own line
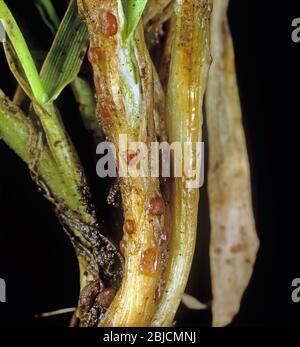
(123, 78)
(233, 238)
(190, 61)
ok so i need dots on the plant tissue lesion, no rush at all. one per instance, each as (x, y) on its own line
(155, 64)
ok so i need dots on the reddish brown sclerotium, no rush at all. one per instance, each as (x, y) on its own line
(129, 226)
(122, 247)
(109, 24)
(240, 247)
(89, 294)
(149, 262)
(95, 55)
(130, 156)
(157, 206)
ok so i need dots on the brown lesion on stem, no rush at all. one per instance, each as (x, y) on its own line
(141, 241)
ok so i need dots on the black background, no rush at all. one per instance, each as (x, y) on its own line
(36, 258)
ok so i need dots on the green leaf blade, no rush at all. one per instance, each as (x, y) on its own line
(23, 53)
(133, 10)
(48, 14)
(64, 60)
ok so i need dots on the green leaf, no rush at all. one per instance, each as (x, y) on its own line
(17, 69)
(133, 10)
(22, 52)
(82, 90)
(64, 60)
(85, 98)
(19, 133)
(15, 127)
(48, 14)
